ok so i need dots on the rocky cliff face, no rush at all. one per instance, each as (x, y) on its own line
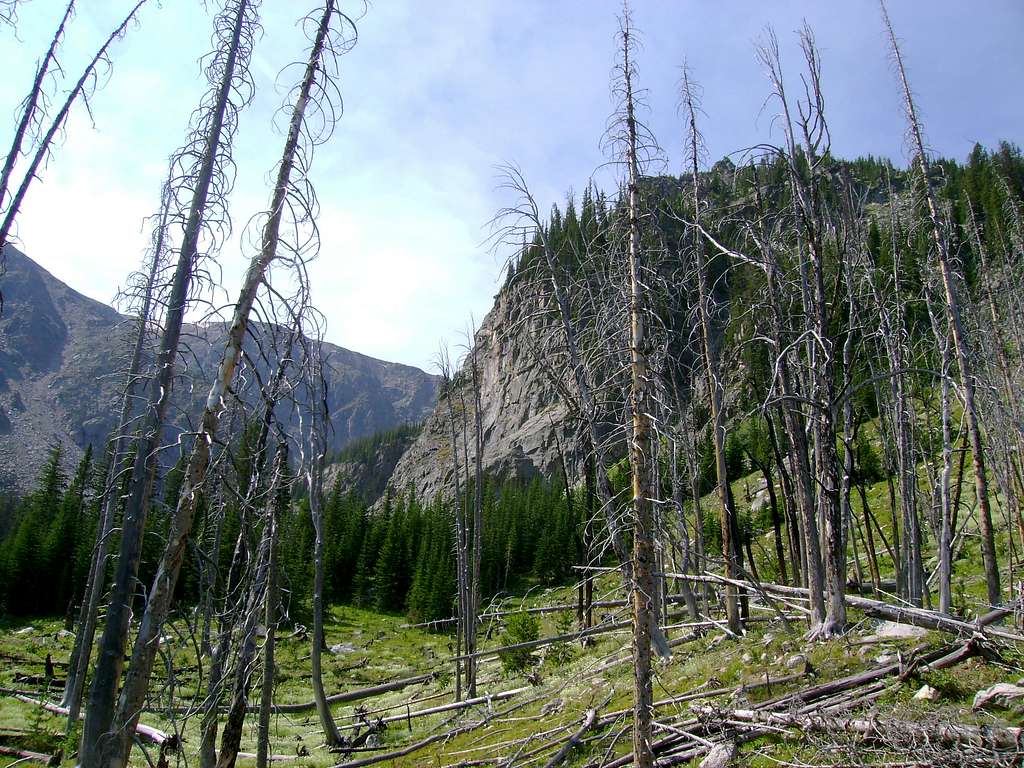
(524, 420)
(60, 354)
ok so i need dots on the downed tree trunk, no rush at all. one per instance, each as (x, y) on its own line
(919, 617)
(946, 735)
(501, 696)
(26, 756)
(575, 635)
(589, 720)
(423, 743)
(357, 694)
(145, 732)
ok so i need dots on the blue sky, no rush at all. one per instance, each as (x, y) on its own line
(437, 94)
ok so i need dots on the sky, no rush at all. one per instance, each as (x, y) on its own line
(436, 95)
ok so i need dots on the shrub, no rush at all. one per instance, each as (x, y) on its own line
(519, 628)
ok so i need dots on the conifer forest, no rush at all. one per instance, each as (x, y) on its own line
(731, 473)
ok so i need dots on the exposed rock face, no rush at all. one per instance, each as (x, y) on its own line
(61, 354)
(524, 420)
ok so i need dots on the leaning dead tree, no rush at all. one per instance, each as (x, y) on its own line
(82, 90)
(291, 198)
(34, 106)
(200, 188)
(119, 464)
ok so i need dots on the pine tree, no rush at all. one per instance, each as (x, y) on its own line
(27, 581)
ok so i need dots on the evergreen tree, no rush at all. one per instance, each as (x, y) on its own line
(26, 578)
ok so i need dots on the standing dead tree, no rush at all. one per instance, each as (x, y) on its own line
(447, 390)
(313, 463)
(961, 344)
(712, 369)
(641, 440)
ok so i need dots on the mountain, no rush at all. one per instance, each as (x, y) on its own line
(524, 419)
(61, 353)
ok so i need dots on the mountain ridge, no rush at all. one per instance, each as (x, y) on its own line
(59, 360)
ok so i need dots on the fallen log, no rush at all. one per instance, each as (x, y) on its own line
(28, 756)
(500, 696)
(946, 735)
(354, 695)
(145, 732)
(588, 722)
(568, 637)
(919, 617)
(720, 756)
(423, 743)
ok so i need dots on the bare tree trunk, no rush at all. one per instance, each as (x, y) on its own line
(274, 508)
(960, 343)
(712, 373)
(315, 481)
(100, 748)
(29, 109)
(43, 147)
(478, 520)
(641, 449)
(460, 525)
(78, 664)
(162, 590)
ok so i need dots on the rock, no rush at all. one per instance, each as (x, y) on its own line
(342, 648)
(64, 633)
(893, 629)
(25, 630)
(720, 756)
(796, 661)
(885, 658)
(552, 707)
(926, 693)
(1000, 695)
(746, 658)
(524, 417)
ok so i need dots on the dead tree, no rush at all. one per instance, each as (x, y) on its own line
(33, 108)
(205, 167)
(953, 311)
(712, 370)
(235, 612)
(82, 89)
(270, 600)
(120, 455)
(461, 566)
(523, 220)
(319, 423)
(288, 198)
(641, 440)
(478, 514)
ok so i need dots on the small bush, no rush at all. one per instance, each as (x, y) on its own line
(519, 628)
(561, 654)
